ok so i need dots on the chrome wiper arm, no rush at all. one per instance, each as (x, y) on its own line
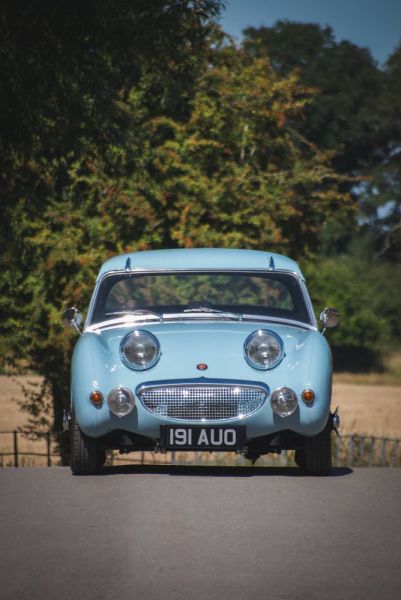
(139, 312)
(145, 312)
(214, 311)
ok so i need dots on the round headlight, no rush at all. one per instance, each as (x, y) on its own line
(263, 349)
(140, 350)
(284, 401)
(121, 401)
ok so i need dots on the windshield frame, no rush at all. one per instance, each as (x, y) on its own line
(89, 326)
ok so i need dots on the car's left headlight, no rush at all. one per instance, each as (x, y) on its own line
(140, 350)
(263, 349)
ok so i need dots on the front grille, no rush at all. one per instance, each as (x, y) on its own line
(202, 402)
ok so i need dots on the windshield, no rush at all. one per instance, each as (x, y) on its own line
(190, 294)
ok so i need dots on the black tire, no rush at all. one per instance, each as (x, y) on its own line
(86, 455)
(315, 458)
(300, 458)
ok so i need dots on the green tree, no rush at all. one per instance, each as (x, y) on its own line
(233, 173)
(68, 69)
(370, 310)
(381, 198)
(347, 114)
(344, 114)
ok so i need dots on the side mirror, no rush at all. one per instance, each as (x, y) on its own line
(330, 317)
(73, 318)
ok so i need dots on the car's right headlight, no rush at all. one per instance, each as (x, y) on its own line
(140, 350)
(263, 349)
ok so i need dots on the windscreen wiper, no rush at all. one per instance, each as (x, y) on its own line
(141, 312)
(214, 311)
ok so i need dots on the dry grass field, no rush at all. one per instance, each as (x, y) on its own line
(365, 408)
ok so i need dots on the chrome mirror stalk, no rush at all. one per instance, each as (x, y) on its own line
(73, 318)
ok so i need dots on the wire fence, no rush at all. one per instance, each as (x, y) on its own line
(34, 444)
(354, 450)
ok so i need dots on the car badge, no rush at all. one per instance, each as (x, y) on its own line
(201, 367)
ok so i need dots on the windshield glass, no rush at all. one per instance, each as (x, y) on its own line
(266, 294)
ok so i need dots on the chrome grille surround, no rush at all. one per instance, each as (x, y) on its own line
(209, 400)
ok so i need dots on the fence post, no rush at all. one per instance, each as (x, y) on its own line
(362, 449)
(338, 447)
(48, 444)
(384, 451)
(372, 451)
(351, 450)
(395, 454)
(15, 433)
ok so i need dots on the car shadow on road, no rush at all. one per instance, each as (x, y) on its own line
(217, 471)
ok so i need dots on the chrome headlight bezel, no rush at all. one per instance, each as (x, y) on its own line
(137, 333)
(272, 364)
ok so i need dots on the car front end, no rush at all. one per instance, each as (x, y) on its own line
(200, 357)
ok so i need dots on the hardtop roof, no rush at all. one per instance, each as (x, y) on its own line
(200, 258)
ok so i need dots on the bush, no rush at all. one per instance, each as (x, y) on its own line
(365, 294)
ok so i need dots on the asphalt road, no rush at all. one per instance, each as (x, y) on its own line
(196, 533)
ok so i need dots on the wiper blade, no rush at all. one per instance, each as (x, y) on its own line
(139, 312)
(145, 312)
(215, 311)
(124, 318)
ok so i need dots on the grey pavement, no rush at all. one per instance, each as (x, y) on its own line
(200, 533)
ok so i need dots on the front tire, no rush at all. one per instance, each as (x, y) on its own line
(86, 455)
(315, 457)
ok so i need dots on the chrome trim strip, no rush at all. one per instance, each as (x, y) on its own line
(178, 317)
(308, 303)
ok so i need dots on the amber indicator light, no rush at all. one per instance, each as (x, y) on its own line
(201, 367)
(308, 395)
(96, 398)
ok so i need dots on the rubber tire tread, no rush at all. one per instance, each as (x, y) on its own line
(85, 455)
(316, 456)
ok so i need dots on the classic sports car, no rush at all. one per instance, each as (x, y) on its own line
(201, 349)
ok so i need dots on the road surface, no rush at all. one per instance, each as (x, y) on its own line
(200, 533)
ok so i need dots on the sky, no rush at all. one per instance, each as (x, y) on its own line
(375, 24)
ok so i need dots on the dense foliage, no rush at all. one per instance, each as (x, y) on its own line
(357, 113)
(136, 125)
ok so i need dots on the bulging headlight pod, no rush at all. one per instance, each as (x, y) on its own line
(121, 401)
(263, 349)
(140, 350)
(284, 401)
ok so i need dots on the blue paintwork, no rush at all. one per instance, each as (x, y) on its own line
(97, 364)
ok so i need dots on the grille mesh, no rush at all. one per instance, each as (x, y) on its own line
(204, 402)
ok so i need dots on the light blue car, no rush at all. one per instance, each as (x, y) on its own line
(201, 349)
